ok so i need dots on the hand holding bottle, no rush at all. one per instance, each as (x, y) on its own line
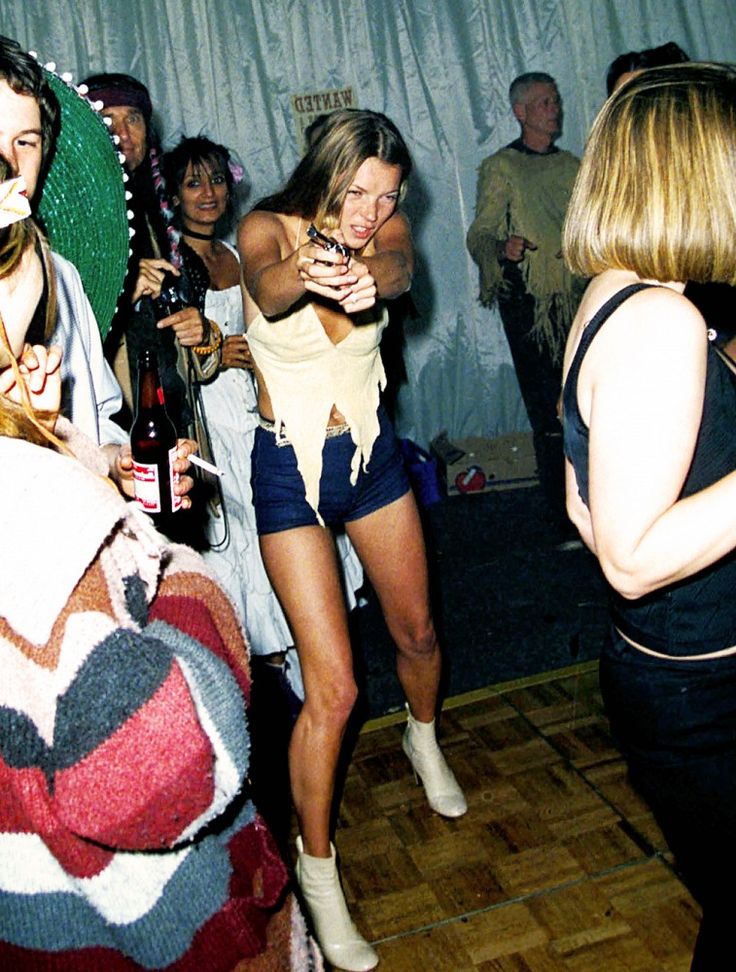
(120, 459)
(154, 445)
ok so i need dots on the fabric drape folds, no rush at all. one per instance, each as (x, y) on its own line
(439, 68)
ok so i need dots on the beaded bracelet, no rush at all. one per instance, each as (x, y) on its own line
(215, 336)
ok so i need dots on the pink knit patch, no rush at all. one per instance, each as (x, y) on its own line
(142, 787)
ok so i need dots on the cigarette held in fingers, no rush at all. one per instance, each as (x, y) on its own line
(207, 466)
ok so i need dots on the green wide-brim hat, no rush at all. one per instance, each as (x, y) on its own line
(83, 208)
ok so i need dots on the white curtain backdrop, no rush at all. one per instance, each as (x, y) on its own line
(439, 68)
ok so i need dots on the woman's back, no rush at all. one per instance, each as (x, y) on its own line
(696, 615)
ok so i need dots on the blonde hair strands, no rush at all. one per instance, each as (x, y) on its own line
(656, 190)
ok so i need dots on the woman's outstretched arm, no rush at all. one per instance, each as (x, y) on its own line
(392, 262)
(277, 275)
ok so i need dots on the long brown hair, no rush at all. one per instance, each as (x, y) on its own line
(317, 187)
(20, 421)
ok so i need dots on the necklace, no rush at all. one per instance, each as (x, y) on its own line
(199, 236)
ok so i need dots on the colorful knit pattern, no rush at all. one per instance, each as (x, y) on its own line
(127, 839)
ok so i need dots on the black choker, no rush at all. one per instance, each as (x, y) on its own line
(198, 236)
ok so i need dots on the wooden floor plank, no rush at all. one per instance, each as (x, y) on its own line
(558, 864)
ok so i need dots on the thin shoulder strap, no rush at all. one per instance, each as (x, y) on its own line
(597, 322)
(233, 250)
(298, 234)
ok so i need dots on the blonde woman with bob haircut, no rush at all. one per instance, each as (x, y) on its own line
(319, 259)
(649, 407)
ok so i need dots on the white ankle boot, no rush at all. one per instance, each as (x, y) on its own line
(420, 745)
(339, 939)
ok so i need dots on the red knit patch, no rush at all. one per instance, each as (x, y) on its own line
(194, 618)
(27, 808)
(77, 960)
(258, 887)
(260, 874)
(146, 783)
(239, 930)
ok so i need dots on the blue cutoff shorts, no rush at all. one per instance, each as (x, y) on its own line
(278, 487)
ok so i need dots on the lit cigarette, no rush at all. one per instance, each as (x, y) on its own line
(207, 466)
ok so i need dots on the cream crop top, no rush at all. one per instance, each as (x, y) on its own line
(306, 374)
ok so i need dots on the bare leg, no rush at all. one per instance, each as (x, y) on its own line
(302, 566)
(390, 545)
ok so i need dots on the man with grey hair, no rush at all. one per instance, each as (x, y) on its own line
(523, 191)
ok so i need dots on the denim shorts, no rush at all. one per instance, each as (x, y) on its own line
(278, 487)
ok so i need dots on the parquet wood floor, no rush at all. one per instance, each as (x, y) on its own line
(558, 864)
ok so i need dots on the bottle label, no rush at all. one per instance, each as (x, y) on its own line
(148, 486)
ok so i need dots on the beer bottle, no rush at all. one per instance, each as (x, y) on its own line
(153, 444)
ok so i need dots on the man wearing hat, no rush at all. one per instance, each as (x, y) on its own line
(126, 104)
(44, 139)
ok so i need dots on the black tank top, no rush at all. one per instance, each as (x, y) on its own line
(696, 615)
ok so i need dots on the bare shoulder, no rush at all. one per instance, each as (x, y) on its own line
(653, 325)
(654, 339)
(663, 311)
(394, 234)
(260, 224)
(265, 238)
(658, 305)
(400, 220)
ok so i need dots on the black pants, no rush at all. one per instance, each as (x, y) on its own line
(676, 725)
(540, 382)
